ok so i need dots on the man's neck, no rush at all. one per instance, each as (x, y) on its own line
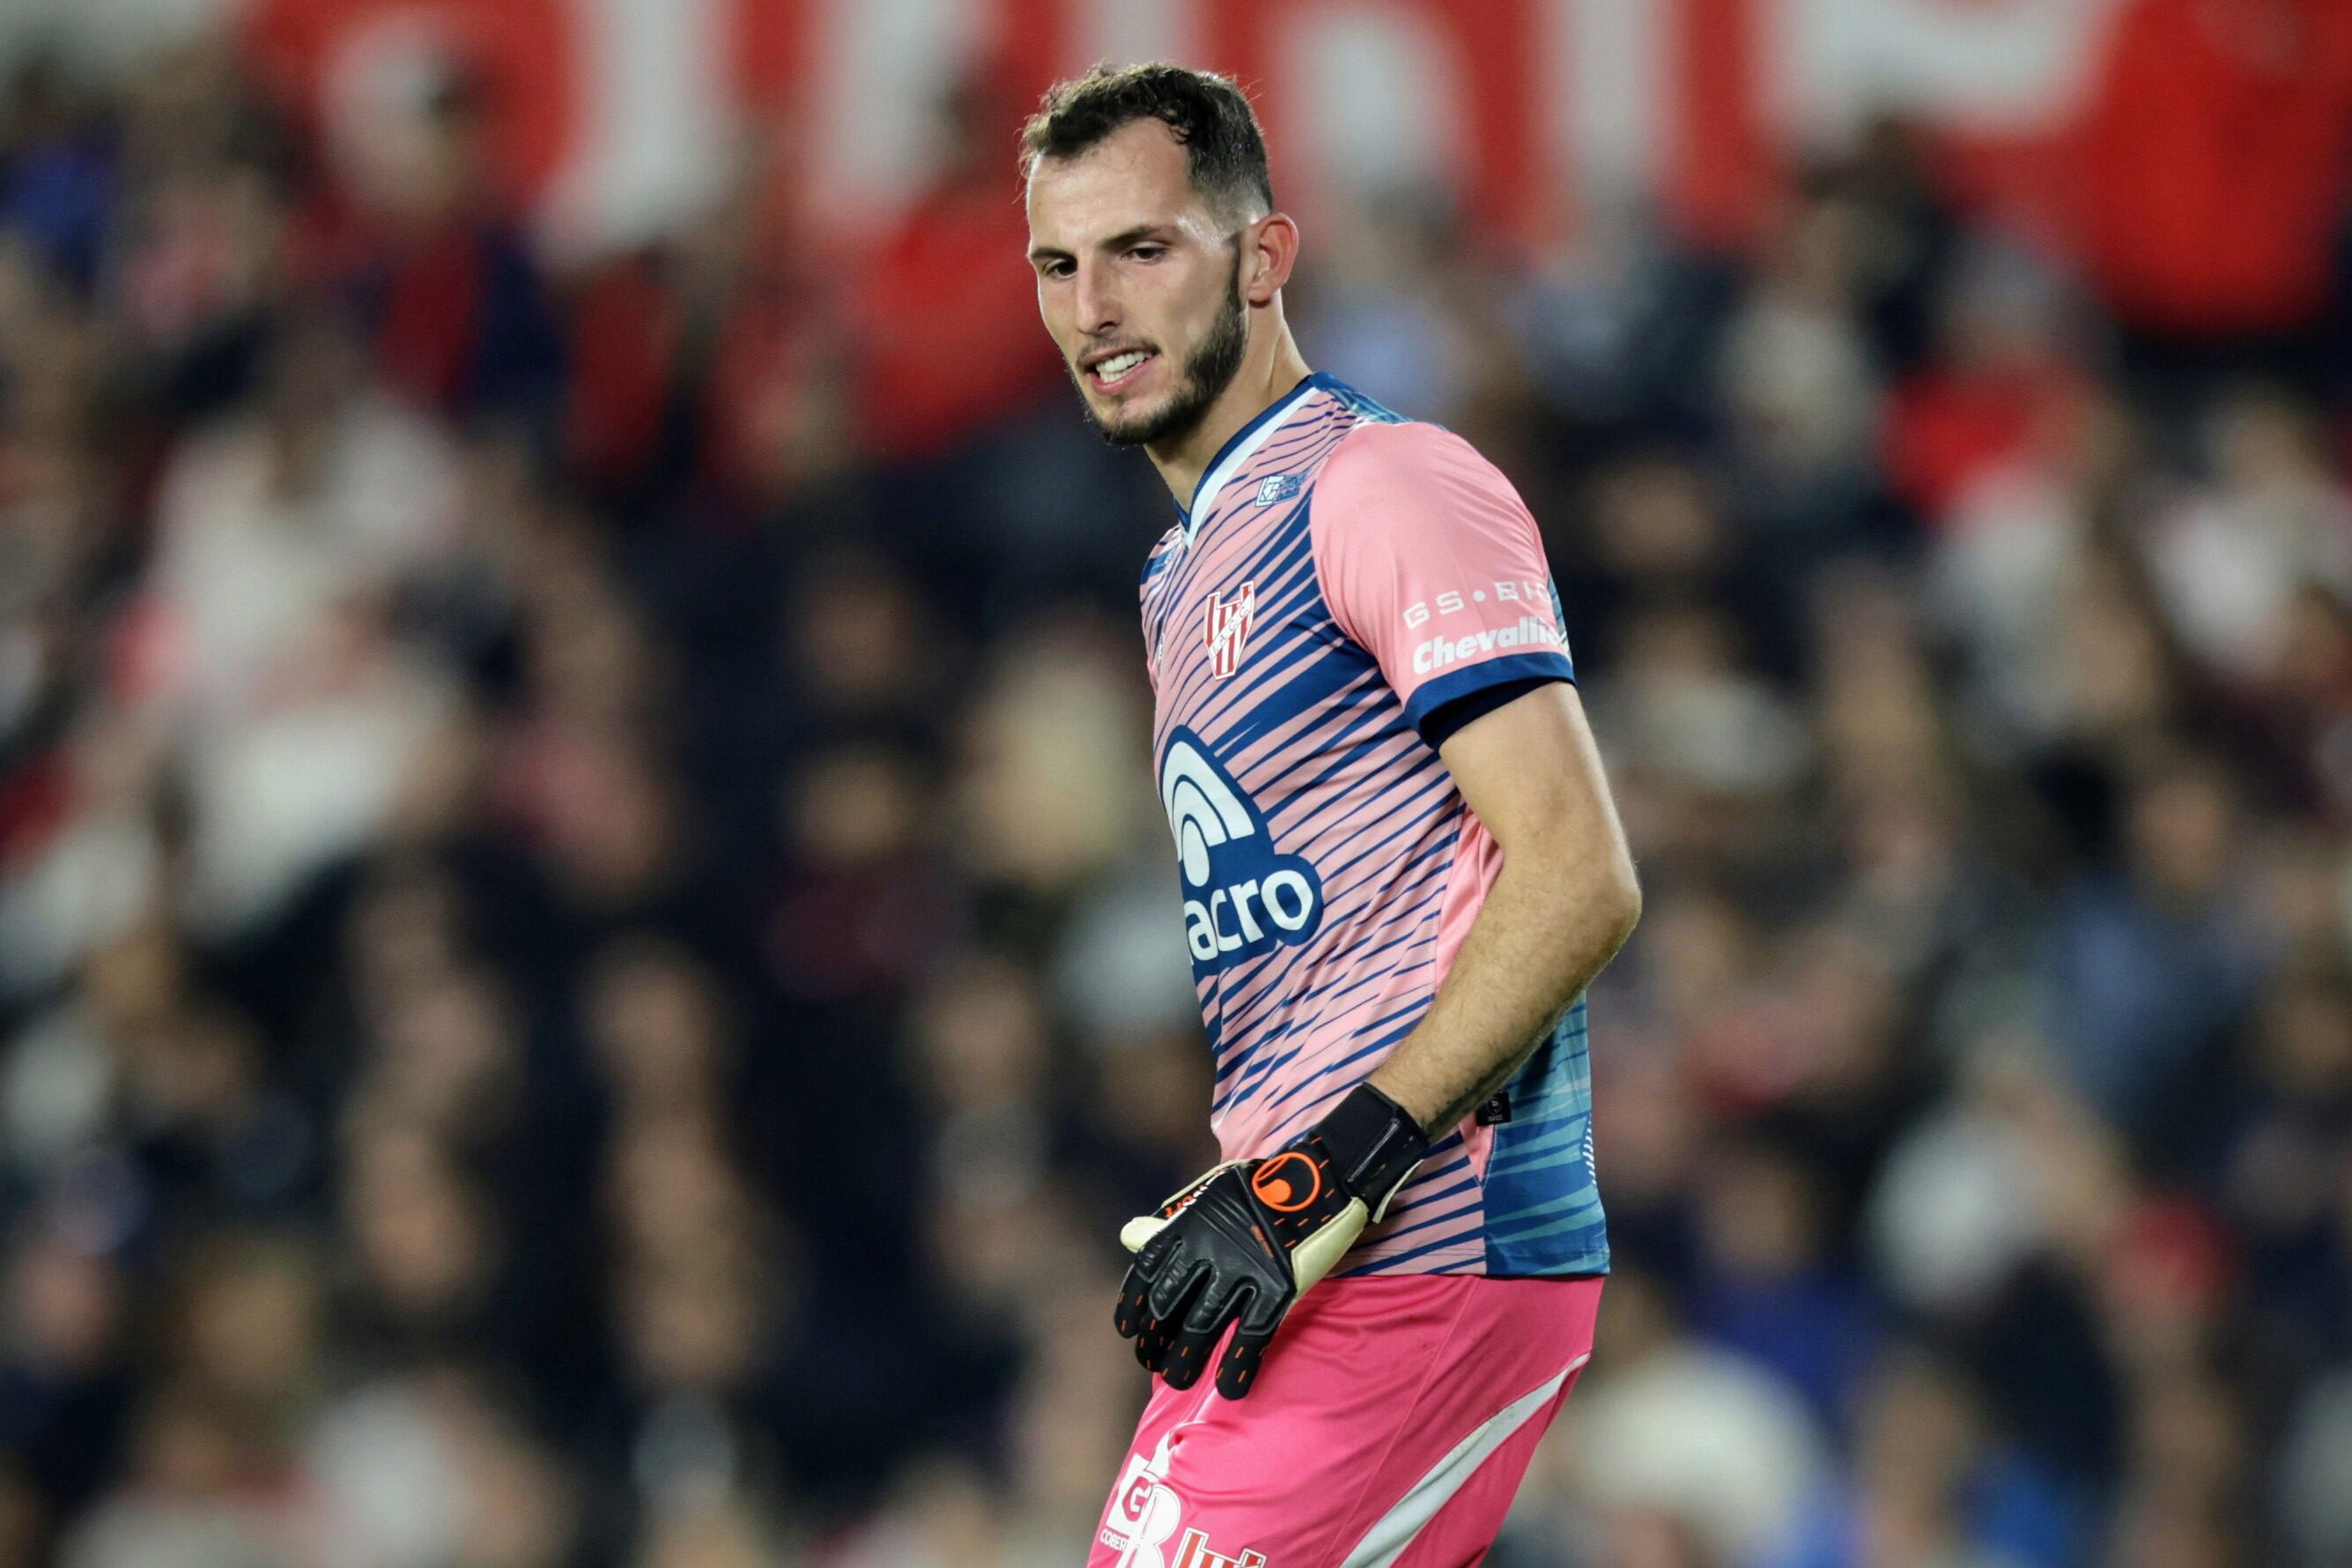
(1262, 381)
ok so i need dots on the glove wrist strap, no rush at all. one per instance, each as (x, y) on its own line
(1374, 1144)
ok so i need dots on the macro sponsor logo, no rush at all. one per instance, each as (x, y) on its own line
(1530, 631)
(1242, 897)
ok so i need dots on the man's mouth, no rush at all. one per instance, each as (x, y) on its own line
(1116, 372)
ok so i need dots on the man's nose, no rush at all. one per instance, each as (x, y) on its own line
(1097, 300)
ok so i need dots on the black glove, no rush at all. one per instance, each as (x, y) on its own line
(1240, 1243)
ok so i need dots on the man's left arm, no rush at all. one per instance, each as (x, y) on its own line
(1563, 903)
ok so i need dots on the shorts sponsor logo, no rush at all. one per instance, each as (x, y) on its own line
(1241, 896)
(1229, 623)
(1144, 1511)
(1529, 632)
(1193, 1552)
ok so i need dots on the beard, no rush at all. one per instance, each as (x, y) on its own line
(1208, 369)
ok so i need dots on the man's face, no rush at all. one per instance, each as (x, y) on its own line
(1138, 282)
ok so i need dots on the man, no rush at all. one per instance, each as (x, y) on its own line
(1400, 867)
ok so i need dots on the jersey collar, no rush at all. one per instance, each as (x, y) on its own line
(1242, 445)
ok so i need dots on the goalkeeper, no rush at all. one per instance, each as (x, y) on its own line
(1400, 868)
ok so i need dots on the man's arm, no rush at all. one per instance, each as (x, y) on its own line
(1563, 903)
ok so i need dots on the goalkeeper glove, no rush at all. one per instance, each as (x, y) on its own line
(1239, 1244)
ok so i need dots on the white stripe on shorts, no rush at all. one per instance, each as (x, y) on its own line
(1394, 1531)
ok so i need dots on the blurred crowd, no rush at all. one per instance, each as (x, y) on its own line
(588, 963)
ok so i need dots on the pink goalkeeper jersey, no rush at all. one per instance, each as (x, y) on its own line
(1343, 578)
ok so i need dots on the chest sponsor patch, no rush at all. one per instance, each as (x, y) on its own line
(1242, 897)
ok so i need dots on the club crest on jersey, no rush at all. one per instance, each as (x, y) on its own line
(1229, 627)
(1242, 898)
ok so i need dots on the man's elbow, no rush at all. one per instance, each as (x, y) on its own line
(1618, 900)
(1598, 888)
(1591, 878)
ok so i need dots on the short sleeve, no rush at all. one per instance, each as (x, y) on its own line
(1429, 559)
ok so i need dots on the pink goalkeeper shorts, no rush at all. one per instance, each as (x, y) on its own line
(1390, 1428)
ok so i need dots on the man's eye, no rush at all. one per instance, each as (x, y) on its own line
(1148, 252)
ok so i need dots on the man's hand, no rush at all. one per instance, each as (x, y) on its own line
(1242, 1243)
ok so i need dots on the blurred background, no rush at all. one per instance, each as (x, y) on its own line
(588, 964)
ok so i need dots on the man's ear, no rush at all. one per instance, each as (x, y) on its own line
(1272, 242)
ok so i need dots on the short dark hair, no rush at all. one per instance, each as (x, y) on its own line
(1224, 150)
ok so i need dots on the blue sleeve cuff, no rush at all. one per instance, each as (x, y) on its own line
(1453, 685)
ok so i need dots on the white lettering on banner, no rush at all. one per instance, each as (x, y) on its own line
(864, 76)
(2015, 65)
(1399, 136)
(1985, 67)
(1439, 652)
(1612, 93)
(653, 149)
